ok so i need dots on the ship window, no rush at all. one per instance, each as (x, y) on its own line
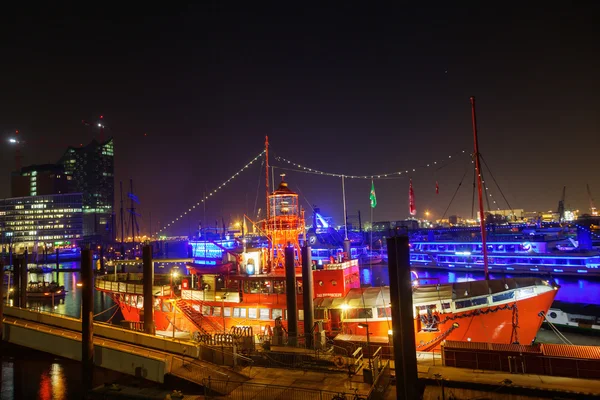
(384, 312)
(480, 301)
(300, 315)
(205, 310)
(277, 312)
(252, 313)
(320, 313)
(239, 312)
(445, 306)
(140, 301)
(264, 313)
(166, 307)
(251, 286)
(463, 304)
(503, 296)
(227, 311)
(216, 311)
(279, 287)
(354, 313)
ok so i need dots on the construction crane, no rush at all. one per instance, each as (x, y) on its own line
(561, 205)
(593, 210)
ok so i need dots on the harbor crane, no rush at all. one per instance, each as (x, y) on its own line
(561, 205)
(593, 210)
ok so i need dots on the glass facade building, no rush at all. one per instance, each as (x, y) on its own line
(32, 221)
(90, 171)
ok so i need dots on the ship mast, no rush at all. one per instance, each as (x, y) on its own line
(479, 190)
(267, 189)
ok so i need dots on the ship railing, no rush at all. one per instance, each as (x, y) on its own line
(342, 265)
(111, 285)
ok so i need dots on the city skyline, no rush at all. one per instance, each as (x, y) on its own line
(190, 100)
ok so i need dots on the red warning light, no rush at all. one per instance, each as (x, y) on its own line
(17, 132)
(102, 116)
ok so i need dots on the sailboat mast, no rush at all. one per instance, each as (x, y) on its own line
(267, 172)
(132, 218)
(479, 190)
(122, 223)
(267, 191)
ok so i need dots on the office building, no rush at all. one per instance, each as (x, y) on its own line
(33, 221)
(39, 180)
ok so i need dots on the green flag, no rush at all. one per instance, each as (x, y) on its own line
(372, 196)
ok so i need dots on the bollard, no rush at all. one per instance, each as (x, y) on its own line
(307, 295)
(148, 296)
(87, 320)
(403, 334)
(290, 295)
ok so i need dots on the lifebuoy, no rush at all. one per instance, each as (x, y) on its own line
(339, 361)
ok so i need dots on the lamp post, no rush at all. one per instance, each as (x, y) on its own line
(366, 326)
(223, 298)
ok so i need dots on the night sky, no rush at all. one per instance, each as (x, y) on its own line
(190, 93)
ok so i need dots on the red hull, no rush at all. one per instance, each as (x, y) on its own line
(508, 323)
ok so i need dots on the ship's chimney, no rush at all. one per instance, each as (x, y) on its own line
(290, 295)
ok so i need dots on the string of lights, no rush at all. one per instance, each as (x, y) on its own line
(212, 192)
(302, 168)
(588, 231)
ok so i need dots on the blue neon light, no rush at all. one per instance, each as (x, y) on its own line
(558, 270)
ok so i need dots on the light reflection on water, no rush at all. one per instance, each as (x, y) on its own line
(31, 375)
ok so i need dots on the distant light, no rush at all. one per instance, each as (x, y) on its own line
(79, 284)
(12, 140)
(99, 124)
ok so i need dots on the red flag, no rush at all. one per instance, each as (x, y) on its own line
(411, 200)
(437, 188)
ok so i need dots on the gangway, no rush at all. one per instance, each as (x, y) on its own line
(205, 325)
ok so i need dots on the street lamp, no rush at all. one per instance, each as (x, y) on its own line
(223, 298)
(366, 326)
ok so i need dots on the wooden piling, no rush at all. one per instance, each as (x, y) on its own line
(148, 280)
(87, 319)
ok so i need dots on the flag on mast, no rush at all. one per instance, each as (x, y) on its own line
(411, 200)
(372, 197)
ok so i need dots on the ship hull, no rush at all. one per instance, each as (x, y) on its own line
(511, 322)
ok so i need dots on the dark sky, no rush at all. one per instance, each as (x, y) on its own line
(344, 89)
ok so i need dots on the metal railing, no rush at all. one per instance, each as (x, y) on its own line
(215, 388)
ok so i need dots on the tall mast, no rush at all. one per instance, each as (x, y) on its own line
(132, 218)
(267, 172)
(122, 224)
(479, 190)
(267, 192)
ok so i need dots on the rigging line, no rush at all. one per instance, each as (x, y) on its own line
(374, 176)
(206, 197)
(258, 186)
(496, 183)
(314, 172)
(485, 191)
(305, 199)
(455, 192)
